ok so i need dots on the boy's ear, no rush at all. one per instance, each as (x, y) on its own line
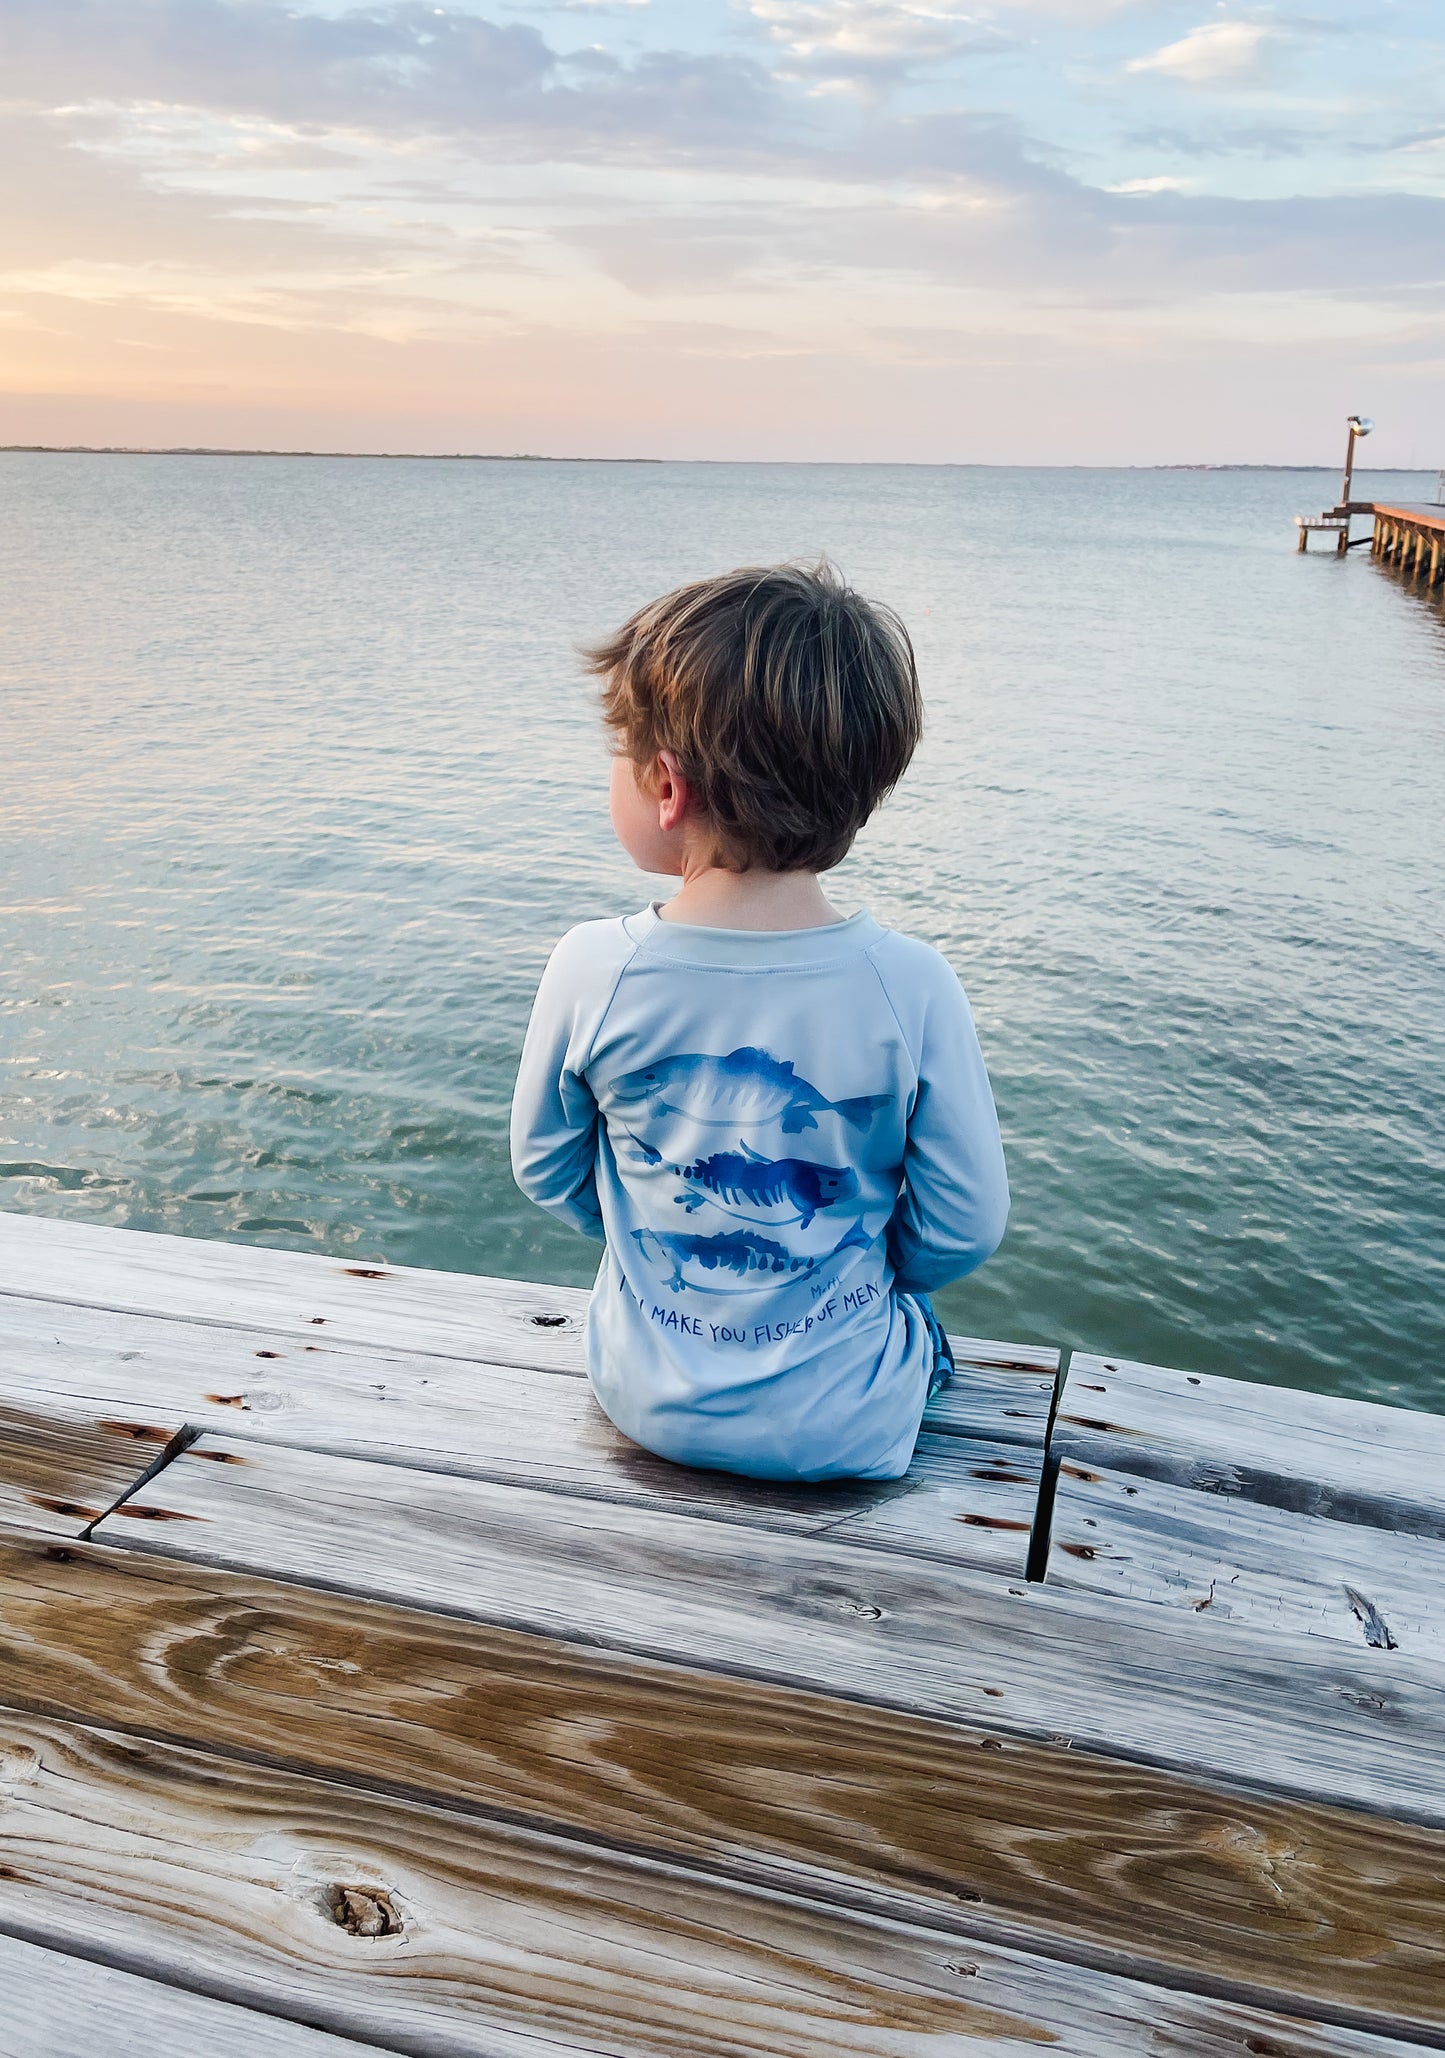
(671, 789)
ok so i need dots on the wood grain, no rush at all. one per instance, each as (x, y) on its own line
(375, 1306)
(486, 1421)
(925, 1821)
(1307, 1717)
(1348, 1461)
(62, 1466)
(1117, 1533)
(497, 1942)
(57, 2006)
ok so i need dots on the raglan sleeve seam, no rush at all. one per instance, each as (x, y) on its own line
(915, 1057)
(601, 1023)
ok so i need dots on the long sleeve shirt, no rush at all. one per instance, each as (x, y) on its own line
(783, 1138)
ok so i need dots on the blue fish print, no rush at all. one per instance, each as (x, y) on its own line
(742, 1181)
(738, 1251)
(746, 1086)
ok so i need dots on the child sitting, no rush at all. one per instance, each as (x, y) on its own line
(776, 1118)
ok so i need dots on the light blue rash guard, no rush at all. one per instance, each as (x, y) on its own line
(783, 1138)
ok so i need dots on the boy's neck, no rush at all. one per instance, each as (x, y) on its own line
(712, 898)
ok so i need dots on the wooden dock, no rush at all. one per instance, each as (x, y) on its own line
(361, 1688)
(1410, 537)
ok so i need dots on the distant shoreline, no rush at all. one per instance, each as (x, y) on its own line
(537, 457)
(391, 456)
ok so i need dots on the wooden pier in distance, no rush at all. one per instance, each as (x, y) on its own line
(362, 1689)
(1410, 536)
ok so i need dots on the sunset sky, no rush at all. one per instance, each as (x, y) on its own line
(1051, 231)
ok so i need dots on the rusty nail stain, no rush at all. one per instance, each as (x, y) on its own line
(366, 1272)
(227, 1400)
(268, 1354)
(990, 1522)
(995, 1693)
(71, 1509)
(1078, 1472)
(316, 1318)
(1093, 1389)
(139, 1514)
(139, 1432)
(221, 1458)
(1079, 1550)
(1008, 1478)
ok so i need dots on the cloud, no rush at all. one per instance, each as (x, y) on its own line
(1159, 185)
(874, 36)
(1217, 53)
(409, 69)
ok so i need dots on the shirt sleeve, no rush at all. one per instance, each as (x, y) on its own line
(954, 1201)
(554, 1111)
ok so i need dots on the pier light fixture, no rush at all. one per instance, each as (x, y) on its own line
(1359, 425)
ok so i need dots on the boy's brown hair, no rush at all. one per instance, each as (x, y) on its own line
(791, 704)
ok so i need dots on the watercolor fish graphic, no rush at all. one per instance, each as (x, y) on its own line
(743, 1182)
(746, 1086)
(738, 1252)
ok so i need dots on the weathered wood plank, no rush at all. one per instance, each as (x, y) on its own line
(1350, 1461)
(394, 1307)
(62, 1466)
(440, 1933)
(1003, 1393)
(1364, 1728)
(903, 1816)
(356, 1300)
(1116, 1533)
(508, 1423)
(57, 2006)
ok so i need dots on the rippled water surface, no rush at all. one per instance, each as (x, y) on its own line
(300, 783)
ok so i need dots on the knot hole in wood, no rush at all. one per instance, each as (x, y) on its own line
(364, 1911)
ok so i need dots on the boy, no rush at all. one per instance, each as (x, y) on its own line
(776, 1119)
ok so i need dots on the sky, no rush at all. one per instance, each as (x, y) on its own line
(1038, 231)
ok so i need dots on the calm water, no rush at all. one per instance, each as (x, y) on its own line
(300, 783)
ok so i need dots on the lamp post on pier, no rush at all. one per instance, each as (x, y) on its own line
(1360, 425)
